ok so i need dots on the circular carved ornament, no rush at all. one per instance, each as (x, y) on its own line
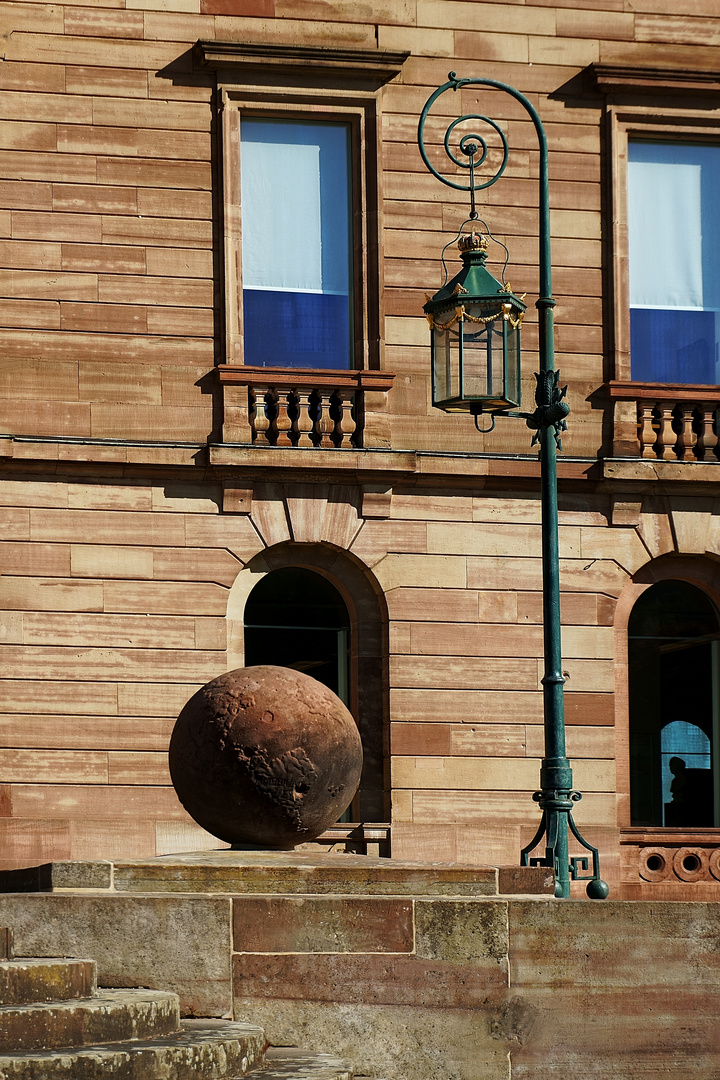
(691, 863)
(655, 864)
(715, 863)
(265, 756)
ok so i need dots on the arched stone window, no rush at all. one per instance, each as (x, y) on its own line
(674, 689)
(315, 608)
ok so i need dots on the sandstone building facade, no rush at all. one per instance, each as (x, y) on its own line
(179, 496)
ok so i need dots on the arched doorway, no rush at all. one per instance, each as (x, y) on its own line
(317, 608)
(674, 688)
(297, 619)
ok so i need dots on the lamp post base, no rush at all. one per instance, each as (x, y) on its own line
(556, 820)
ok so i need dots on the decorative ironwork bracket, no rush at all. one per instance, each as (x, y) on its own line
(551, 407)
(552, 804)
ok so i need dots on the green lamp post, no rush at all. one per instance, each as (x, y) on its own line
(475, 325)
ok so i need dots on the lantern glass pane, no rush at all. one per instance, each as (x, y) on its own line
(490, 364)
(481, 358)
(512, 355)
(446, 371)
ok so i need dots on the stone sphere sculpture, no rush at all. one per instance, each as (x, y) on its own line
(265, 756)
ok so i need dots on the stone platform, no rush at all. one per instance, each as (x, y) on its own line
(278, 872)
(409, 972)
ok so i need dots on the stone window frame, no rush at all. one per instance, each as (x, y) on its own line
(666, 843)
(341, 85)
(662, 104)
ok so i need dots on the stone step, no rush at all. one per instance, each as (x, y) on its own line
(110, 1016)
(201, 1050)
(247, 872)
(23, 981)
(292, 1064)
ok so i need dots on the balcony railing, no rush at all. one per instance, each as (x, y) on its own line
(305, 408)
(666, 422)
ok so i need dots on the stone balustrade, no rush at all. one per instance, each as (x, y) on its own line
(304, 408)
(666, 422)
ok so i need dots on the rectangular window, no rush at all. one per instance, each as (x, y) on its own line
(299, 199)
(674, 262)
(297, 250)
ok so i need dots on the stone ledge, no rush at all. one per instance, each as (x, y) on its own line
(230, 872)
(57, 876)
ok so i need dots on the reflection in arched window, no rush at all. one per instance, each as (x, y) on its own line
(673, 642)
(686, 775)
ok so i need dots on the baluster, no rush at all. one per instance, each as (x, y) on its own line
(666, 435)
(294, 406)
(304, 423)
(647, 433)
(707, 441)
(683, 418)
(325, 425)
(252, 413)
(259, 415)
(271, 411)
(341, 413)
(283, 422)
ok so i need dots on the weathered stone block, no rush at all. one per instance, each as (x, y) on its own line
(322, 924)
(459, 932)
(285, 872)
(400, 1043)
(181, 944)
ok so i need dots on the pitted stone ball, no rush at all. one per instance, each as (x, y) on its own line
(265, 756)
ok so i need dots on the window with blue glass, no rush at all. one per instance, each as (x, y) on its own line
(297, 249)
(674, 250)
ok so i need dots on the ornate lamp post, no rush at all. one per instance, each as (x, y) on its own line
(475, 325)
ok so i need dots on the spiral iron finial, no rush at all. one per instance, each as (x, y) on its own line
(470, 145)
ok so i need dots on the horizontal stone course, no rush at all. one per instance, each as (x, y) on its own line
(232, 872)
(371, 979)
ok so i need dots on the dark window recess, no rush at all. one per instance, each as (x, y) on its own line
(297, 619)
(673, 652)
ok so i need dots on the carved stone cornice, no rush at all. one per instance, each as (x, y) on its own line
(369, 68)
(616, 78)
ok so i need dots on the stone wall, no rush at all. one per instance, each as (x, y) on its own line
(418, 988)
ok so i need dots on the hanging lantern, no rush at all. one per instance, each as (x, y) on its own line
(475, 327)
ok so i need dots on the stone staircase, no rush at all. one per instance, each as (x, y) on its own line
(56, 1025)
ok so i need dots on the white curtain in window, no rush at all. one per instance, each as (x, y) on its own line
(281, 223)
(665, 235)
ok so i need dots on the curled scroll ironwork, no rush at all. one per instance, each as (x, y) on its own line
(470, 144)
